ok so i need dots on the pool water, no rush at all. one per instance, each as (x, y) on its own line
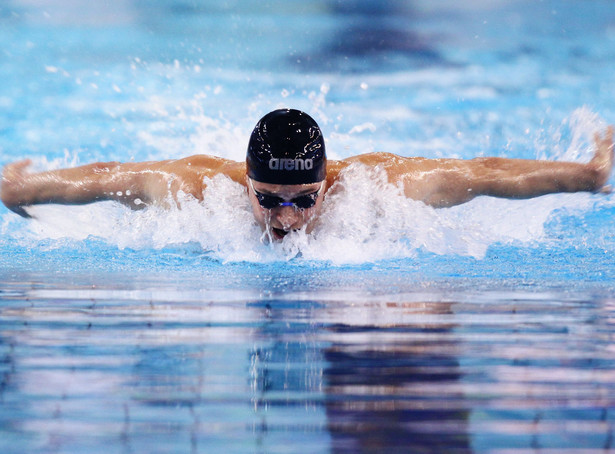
(395, 327)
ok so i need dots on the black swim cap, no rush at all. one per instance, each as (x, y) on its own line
(287, 147)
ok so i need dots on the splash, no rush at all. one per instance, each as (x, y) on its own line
(364, 218)
(573, 138)
(369, 220)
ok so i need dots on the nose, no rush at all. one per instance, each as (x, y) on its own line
(288, 217)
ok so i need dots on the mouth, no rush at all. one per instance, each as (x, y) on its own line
(278, 234)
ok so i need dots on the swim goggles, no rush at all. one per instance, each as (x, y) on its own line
(269, 202)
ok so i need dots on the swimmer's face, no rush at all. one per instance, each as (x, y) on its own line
(281, 219)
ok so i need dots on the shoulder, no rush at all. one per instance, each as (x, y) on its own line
(394, 165)
(188, 174)
(200, 162)
(386, 160)
(199, 166)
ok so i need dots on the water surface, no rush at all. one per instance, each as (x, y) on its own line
(483, 328)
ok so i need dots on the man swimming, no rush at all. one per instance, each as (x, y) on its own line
(287, 175)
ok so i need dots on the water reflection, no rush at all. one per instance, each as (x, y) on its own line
(347, 36)
(143, 371)
(394, 388)
(372, 34)
(389, 384)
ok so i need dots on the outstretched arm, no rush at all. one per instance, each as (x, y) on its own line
(79, 185)
(447, 182)
(133, 184)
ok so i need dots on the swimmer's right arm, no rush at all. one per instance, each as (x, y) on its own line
(133, 184)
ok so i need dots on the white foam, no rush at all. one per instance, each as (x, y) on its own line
(371, 220)
(364, 220)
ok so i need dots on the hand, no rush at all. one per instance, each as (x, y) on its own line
(602, 162)
(14, 177)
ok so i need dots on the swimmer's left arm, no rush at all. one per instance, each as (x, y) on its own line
(451, 182)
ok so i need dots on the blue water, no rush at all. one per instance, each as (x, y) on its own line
(483, 328)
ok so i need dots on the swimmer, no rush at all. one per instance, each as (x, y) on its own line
(287, 176)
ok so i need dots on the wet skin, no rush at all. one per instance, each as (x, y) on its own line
(436, 182)
(278, 222)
